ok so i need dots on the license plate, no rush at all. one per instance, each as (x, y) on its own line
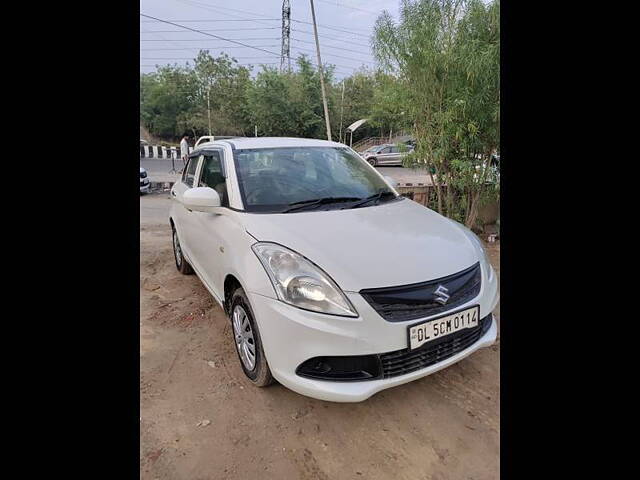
(441, 327)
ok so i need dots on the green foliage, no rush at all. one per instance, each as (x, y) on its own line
(269, 105)
(164, 96)
(448, 56)
(173, 101)
(445, 59)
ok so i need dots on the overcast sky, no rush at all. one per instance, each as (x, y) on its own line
(344, 28)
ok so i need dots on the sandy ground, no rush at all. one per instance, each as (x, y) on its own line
(200, 418)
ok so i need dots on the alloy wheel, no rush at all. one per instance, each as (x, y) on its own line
(176, 249)
(243, 334)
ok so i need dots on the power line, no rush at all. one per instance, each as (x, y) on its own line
(347, 6)
(209, 34)
(202, 48)
(201, 40)
(212, 20)
(160, 36)
(333, 28)
(334, 55)
(240, 64)
(343, 69)
(332, 38)
(324, 45)
(223, 9)
(191, 58)
(216, 30)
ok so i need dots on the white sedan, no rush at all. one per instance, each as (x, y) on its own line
(335, 286)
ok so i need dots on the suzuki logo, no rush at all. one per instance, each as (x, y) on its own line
(441, 294)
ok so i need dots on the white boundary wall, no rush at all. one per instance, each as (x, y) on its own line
(158, 151)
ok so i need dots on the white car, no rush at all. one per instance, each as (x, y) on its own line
(210, 138)
(144, 181)
(336, 286)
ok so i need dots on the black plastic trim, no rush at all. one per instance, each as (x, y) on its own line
(416, 300)
(401, 362)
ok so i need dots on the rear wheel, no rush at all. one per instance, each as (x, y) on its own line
(246, 338)
(181, 263)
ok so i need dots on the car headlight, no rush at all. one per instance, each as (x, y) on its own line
(300, 283)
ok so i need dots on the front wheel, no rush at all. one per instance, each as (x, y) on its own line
(372, 161)
(248, 342)
(181, 263)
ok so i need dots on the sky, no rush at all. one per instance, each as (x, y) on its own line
(344, 30)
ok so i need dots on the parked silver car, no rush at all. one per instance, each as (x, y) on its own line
(386, 154)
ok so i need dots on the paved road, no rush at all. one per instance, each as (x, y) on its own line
(154, 209)
(159, 169)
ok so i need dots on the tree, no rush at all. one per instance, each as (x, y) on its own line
(269, 105)
(221, 94)
(390, 104)
(164, 97)
(359, 91)
(448, 56)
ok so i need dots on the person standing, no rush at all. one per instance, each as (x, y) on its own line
(184, 149)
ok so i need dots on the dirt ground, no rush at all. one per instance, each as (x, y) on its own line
(201, 419)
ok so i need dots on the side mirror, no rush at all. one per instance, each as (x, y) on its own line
(201, 199)
(391, 181)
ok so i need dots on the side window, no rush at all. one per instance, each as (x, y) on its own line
(386, 150)
(394, 149)
(211, 176)
(189, 172)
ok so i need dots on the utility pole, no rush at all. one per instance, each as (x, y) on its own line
(324, 95)
(341, 111)
(209, 109)
(285, 51)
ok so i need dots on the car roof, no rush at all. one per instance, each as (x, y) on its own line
(269, 142)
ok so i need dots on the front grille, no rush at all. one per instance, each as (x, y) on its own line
(419, 300)
(406, 361)
(392, 364)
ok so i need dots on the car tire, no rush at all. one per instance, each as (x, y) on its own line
(373, 162)
(181, 263)
(246, 334)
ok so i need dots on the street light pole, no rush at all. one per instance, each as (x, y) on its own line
(324, 95)
(341, 112)
(209, 109)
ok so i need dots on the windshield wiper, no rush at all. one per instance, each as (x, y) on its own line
(375, 196)
(313, 202)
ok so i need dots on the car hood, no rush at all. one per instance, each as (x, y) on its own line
(395, 243)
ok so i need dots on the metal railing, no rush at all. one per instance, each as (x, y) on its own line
(369, 142)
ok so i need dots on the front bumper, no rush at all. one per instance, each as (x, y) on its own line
(291, 335)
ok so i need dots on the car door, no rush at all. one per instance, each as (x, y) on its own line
(181, 216)
(208, 229)
(395, 157)
(383, 156)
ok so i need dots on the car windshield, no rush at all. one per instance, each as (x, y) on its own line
(285, 179)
